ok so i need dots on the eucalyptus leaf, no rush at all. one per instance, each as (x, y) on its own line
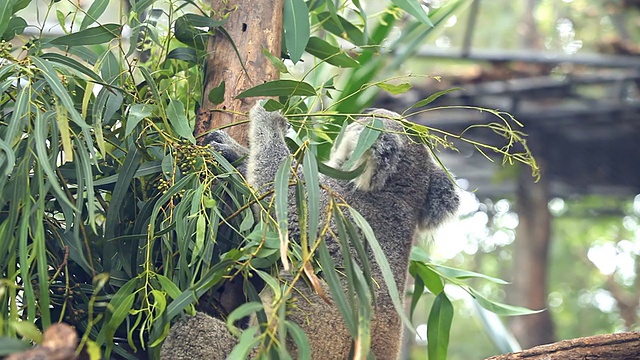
(179, 122)
(329, 53)
(296, 28)
(439, 327)
(414, 8)
(91, 36)
(279, 88)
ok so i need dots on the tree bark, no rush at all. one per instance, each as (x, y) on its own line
(622, 346)
(531, 261)
(252, 25)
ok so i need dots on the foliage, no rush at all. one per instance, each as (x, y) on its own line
(114, 219)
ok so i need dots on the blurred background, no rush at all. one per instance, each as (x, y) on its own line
(569, 71)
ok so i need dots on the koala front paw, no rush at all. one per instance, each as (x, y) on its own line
(225, 145)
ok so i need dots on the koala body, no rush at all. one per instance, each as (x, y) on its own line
(401, 190)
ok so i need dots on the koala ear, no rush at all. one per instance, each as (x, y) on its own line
(441, 202)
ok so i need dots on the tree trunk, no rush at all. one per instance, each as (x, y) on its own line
(252, 25)
(623, 346)
(531, 261)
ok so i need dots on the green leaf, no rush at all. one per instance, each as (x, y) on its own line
(367, 138)
(433, 97)
(279, 88)
(168, 286)
(463, 274)
(187, 34)
(247, 341)
(40, 135)
(342, 27)
(394, 89)
(500, 308)
(429, 278)
(185, 54)
(281, 203)
(137, 112)
(15, 27)
(335, 286)
(413, 8)
(92, 36)
(6, 11)
(275, 61)
(296, 28)
(27, 330)
(438, 327)
(329, 53)
(216, 95)
(383, 264)
(310, 171)
(118, 307)
(9, 345)
(96, 9)
(340, 174)
(242, 311)
(202, 21)
(7, 159)
(179, 121)
(418, 290)
(69, 62)
(300, 338)
(201, 229)
(418, 254)
(51, 77)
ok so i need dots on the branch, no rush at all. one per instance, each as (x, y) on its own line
(621, 346)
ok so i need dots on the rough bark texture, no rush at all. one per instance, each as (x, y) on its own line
(252, 25)
(623, 346)
(531, 262)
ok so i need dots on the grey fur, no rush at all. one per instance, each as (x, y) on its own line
(401, 190)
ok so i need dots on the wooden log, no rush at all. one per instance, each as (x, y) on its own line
(621, 346)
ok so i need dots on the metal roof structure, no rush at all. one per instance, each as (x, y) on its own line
(583, 124)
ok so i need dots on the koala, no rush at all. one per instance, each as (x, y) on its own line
(400, 192)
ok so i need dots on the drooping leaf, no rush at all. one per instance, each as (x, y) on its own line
(413, 8)
(341, 27)
(96, 9)
(429, 278)
(73, 64)
(242, 311)
(296, 28)
(383, 264)
(15, 27)
(464, 274)
(279, 88)
(329, 53)
(179, 122)
(216, 95)
(500, 308)
(394, 89)
(438, 327)
(275, 61)
(281, 203)
(300, 338)
(185, 54)
(187, 33)
(137, 112)
(367, 138)
(91, 36)
(433, 97)
(6, 11)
